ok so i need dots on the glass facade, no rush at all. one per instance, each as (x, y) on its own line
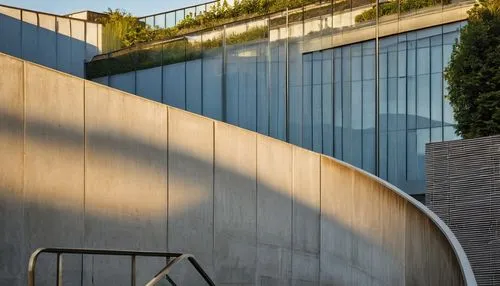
(375, 108)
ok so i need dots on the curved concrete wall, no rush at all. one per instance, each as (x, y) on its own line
(84, 165)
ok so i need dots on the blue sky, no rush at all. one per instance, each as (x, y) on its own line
(136, 7)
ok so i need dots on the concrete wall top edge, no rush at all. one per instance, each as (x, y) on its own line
(466, 269)
(45, 13)
(445, 230)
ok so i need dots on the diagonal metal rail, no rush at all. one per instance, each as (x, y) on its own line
(174, 258)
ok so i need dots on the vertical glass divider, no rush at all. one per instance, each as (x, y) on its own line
(223, 81)
(377, 91)
(287, 95)
(269, 69)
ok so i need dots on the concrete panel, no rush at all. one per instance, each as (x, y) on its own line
(47, 40)
(274, 208)
(63, 44)
(365, 226)
(274, 265)
(416, 255)
(274, 192)
(306, 200)
(336, 220)
(12, 268)
(235, 205)
(10, 21)
(53, 188)
(29, 35)
(305, 268)
(149, 83)
(91, 39)
(393, 225)
(126, 179)
(190, 189)
(78, 48)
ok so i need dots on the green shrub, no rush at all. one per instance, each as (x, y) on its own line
(391, 7)
(473, 73)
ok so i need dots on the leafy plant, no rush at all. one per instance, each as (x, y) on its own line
(473, 73)
(121, 29)
(392, 7)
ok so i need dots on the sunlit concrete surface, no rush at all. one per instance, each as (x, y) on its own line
(83, 165)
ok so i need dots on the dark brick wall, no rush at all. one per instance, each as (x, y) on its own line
(463, 188)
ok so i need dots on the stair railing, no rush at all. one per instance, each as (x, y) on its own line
(174, 258)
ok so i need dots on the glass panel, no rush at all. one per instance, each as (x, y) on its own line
(338, 104)
(306, 103)
(423, 137)
(174, 52)
(392, 104)
(317, 124)
(150, 21)
(200, 9)
(436, 100)
(369, 60)
(423, 56)
(388, 11)
(327, 118)
(212, 74)
(368, 115)
(171, 20)
(411, 87)
(356, 123)
(194, 74)
(356, 62)
(263, 88)
(411, 154)
(190, 12)
(160, 21)
(179, 16)
(423, 101)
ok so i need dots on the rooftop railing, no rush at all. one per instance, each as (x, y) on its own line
(171, 18)
(314, 20)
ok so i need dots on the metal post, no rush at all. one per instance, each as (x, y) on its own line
(287, 67)
(223, 81)
(59, 280)
(132, 278)
(377, 92)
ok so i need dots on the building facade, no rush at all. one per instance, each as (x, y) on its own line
(370, 91)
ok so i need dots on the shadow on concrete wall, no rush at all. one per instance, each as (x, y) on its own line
(65, 48)
(28, 221)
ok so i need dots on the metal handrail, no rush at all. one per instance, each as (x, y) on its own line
(178, 257)
(179, 9)
(164, 272)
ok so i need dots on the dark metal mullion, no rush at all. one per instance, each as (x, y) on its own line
(377, 92)
(430, 91)
(201, 74)
(362, 107)
(185, 73)
(442, 85)
(223, 75)
(287, 81)
(162, 95)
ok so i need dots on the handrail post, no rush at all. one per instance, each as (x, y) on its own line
(133, 278)
(59, 280)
